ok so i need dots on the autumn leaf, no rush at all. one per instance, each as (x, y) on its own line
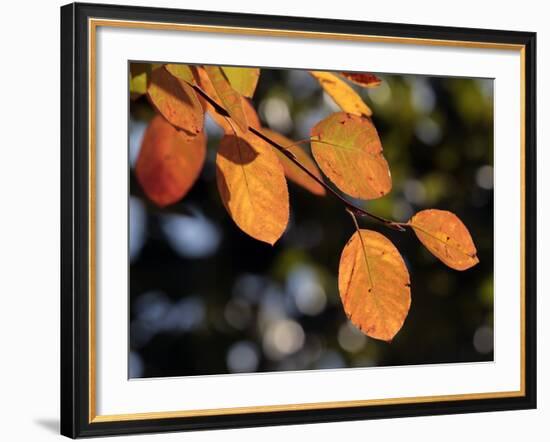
(251, 114)
(292, 171)
(139, 74)
(176, 101)
(243, 80)
(222, 119)
(182, 72)
(169, 162)
(362, 79)
(252, 186)
(229, 98)
(343, 95)
(444, 234)
(347, 149)
(374, 285)
(202, 79)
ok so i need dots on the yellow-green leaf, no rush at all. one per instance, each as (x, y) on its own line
(169, 161)
(374, 285)
(348, 151)
(139, 75)
(176, 101)
(444, 234)
(252, 186)
(343, 95)
(243, 80)
(292, 171)
(181, 72)
(229, 98)
(362, 79)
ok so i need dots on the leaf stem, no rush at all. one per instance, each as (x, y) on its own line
(355, 223)
(349, 206)
(363, 248)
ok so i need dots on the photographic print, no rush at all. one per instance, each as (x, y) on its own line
(282, 220)
(285, 219)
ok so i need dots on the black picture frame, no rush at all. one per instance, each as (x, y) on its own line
(75, 219)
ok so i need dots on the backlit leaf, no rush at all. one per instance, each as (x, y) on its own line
(229, 98)
(220, 119)
(201, 78)
(176, 101)
(347, 149)
(252, 186)
(182, 72)
(444, 234)
(374, 285)
(251, 114)
(343, 94)
(362, 79)
(139, 75)
(169, 161)
(243, 80)
(292, 171)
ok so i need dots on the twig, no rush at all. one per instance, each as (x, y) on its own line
(350, 207)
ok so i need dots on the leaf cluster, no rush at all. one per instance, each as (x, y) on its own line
(253, 164)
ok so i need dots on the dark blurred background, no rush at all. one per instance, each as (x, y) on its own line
(205, 298)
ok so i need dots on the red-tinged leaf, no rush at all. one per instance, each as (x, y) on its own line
(444, 234)
(343, 95)
(362, 79)
(176, 101)
(243, 80)
(348, 151)
(252, 186)
(292, 171)
(374, 285)
(169, 162)
(229, 98)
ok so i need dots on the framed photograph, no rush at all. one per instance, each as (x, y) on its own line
(280, 220)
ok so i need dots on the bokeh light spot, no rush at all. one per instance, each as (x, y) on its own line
(191, 236)
(242, 357)
(483, 339)
(350, 338)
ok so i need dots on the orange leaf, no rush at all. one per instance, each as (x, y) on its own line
(201, 77)
(176, 101)
(343, 95)
(222, 120)
(252, 186)
(348, 150)
(169, 162)
(292, 171)
(243, 80)
(443, 234)
(229, 98)
(374, 285)
(362, 79)
(251, 114)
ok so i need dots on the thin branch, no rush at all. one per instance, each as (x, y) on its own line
(350, 207)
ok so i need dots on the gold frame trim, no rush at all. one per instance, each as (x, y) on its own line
(93, 24)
